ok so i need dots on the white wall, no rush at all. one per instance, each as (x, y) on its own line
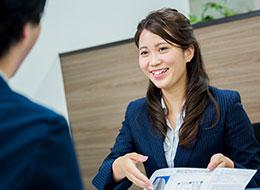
(70, 25)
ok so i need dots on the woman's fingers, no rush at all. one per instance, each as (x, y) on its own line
(140, 182)
(214, 161)
(137, 157)
(222, 165)
(125, 166)
(220, 161)
(137, 177)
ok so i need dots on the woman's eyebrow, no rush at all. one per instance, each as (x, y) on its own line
(156, 45)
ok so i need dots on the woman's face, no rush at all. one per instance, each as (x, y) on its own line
(164, 64)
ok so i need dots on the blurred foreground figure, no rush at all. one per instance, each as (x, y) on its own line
(36, 150)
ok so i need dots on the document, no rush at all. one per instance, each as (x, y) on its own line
(201, 179)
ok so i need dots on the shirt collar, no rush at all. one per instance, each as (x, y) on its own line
(3, 75)
(165, 110)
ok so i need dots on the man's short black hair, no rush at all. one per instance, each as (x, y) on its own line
(14, 14)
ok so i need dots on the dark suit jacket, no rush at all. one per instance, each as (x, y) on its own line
(36, 150)
(233, 136)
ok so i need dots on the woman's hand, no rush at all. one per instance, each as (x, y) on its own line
(220, 161)
(125, 166)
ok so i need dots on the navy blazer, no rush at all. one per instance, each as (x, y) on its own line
(36, 150)
(233, 136)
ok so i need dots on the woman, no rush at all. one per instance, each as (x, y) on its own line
(182, 122)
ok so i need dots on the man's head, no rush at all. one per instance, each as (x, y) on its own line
(18, 20)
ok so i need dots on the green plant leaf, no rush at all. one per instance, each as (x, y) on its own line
(219, 8)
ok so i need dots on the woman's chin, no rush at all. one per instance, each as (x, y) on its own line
(160, 84)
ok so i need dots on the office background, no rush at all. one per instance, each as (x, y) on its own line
(72, 25)
(68, 27)
(100, 81)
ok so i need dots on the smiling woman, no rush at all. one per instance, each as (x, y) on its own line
(182, 121)
(163, 63)
(189, 81)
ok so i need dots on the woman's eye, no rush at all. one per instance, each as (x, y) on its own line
(163, 49)
(143, 53)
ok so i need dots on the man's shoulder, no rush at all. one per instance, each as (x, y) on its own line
(24, 111)
(35, 108)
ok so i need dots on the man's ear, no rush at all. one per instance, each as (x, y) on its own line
(189, 53)
(26, 30)
(30, 33)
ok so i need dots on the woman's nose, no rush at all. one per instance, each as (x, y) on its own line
(155, 59)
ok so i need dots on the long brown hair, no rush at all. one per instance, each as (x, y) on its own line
(175, 28)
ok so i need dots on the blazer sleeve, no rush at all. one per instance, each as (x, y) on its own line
(240, 141)
(124, 144)
(55, 165)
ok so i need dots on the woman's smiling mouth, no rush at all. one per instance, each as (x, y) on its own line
(159, 73)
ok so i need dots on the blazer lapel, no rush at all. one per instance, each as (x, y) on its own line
(156, 144)
(154, 140)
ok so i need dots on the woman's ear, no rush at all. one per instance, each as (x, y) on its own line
(189, 53)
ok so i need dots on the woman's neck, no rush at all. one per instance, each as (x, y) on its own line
(174, 99)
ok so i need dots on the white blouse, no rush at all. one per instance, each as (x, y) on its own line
(171, 140)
